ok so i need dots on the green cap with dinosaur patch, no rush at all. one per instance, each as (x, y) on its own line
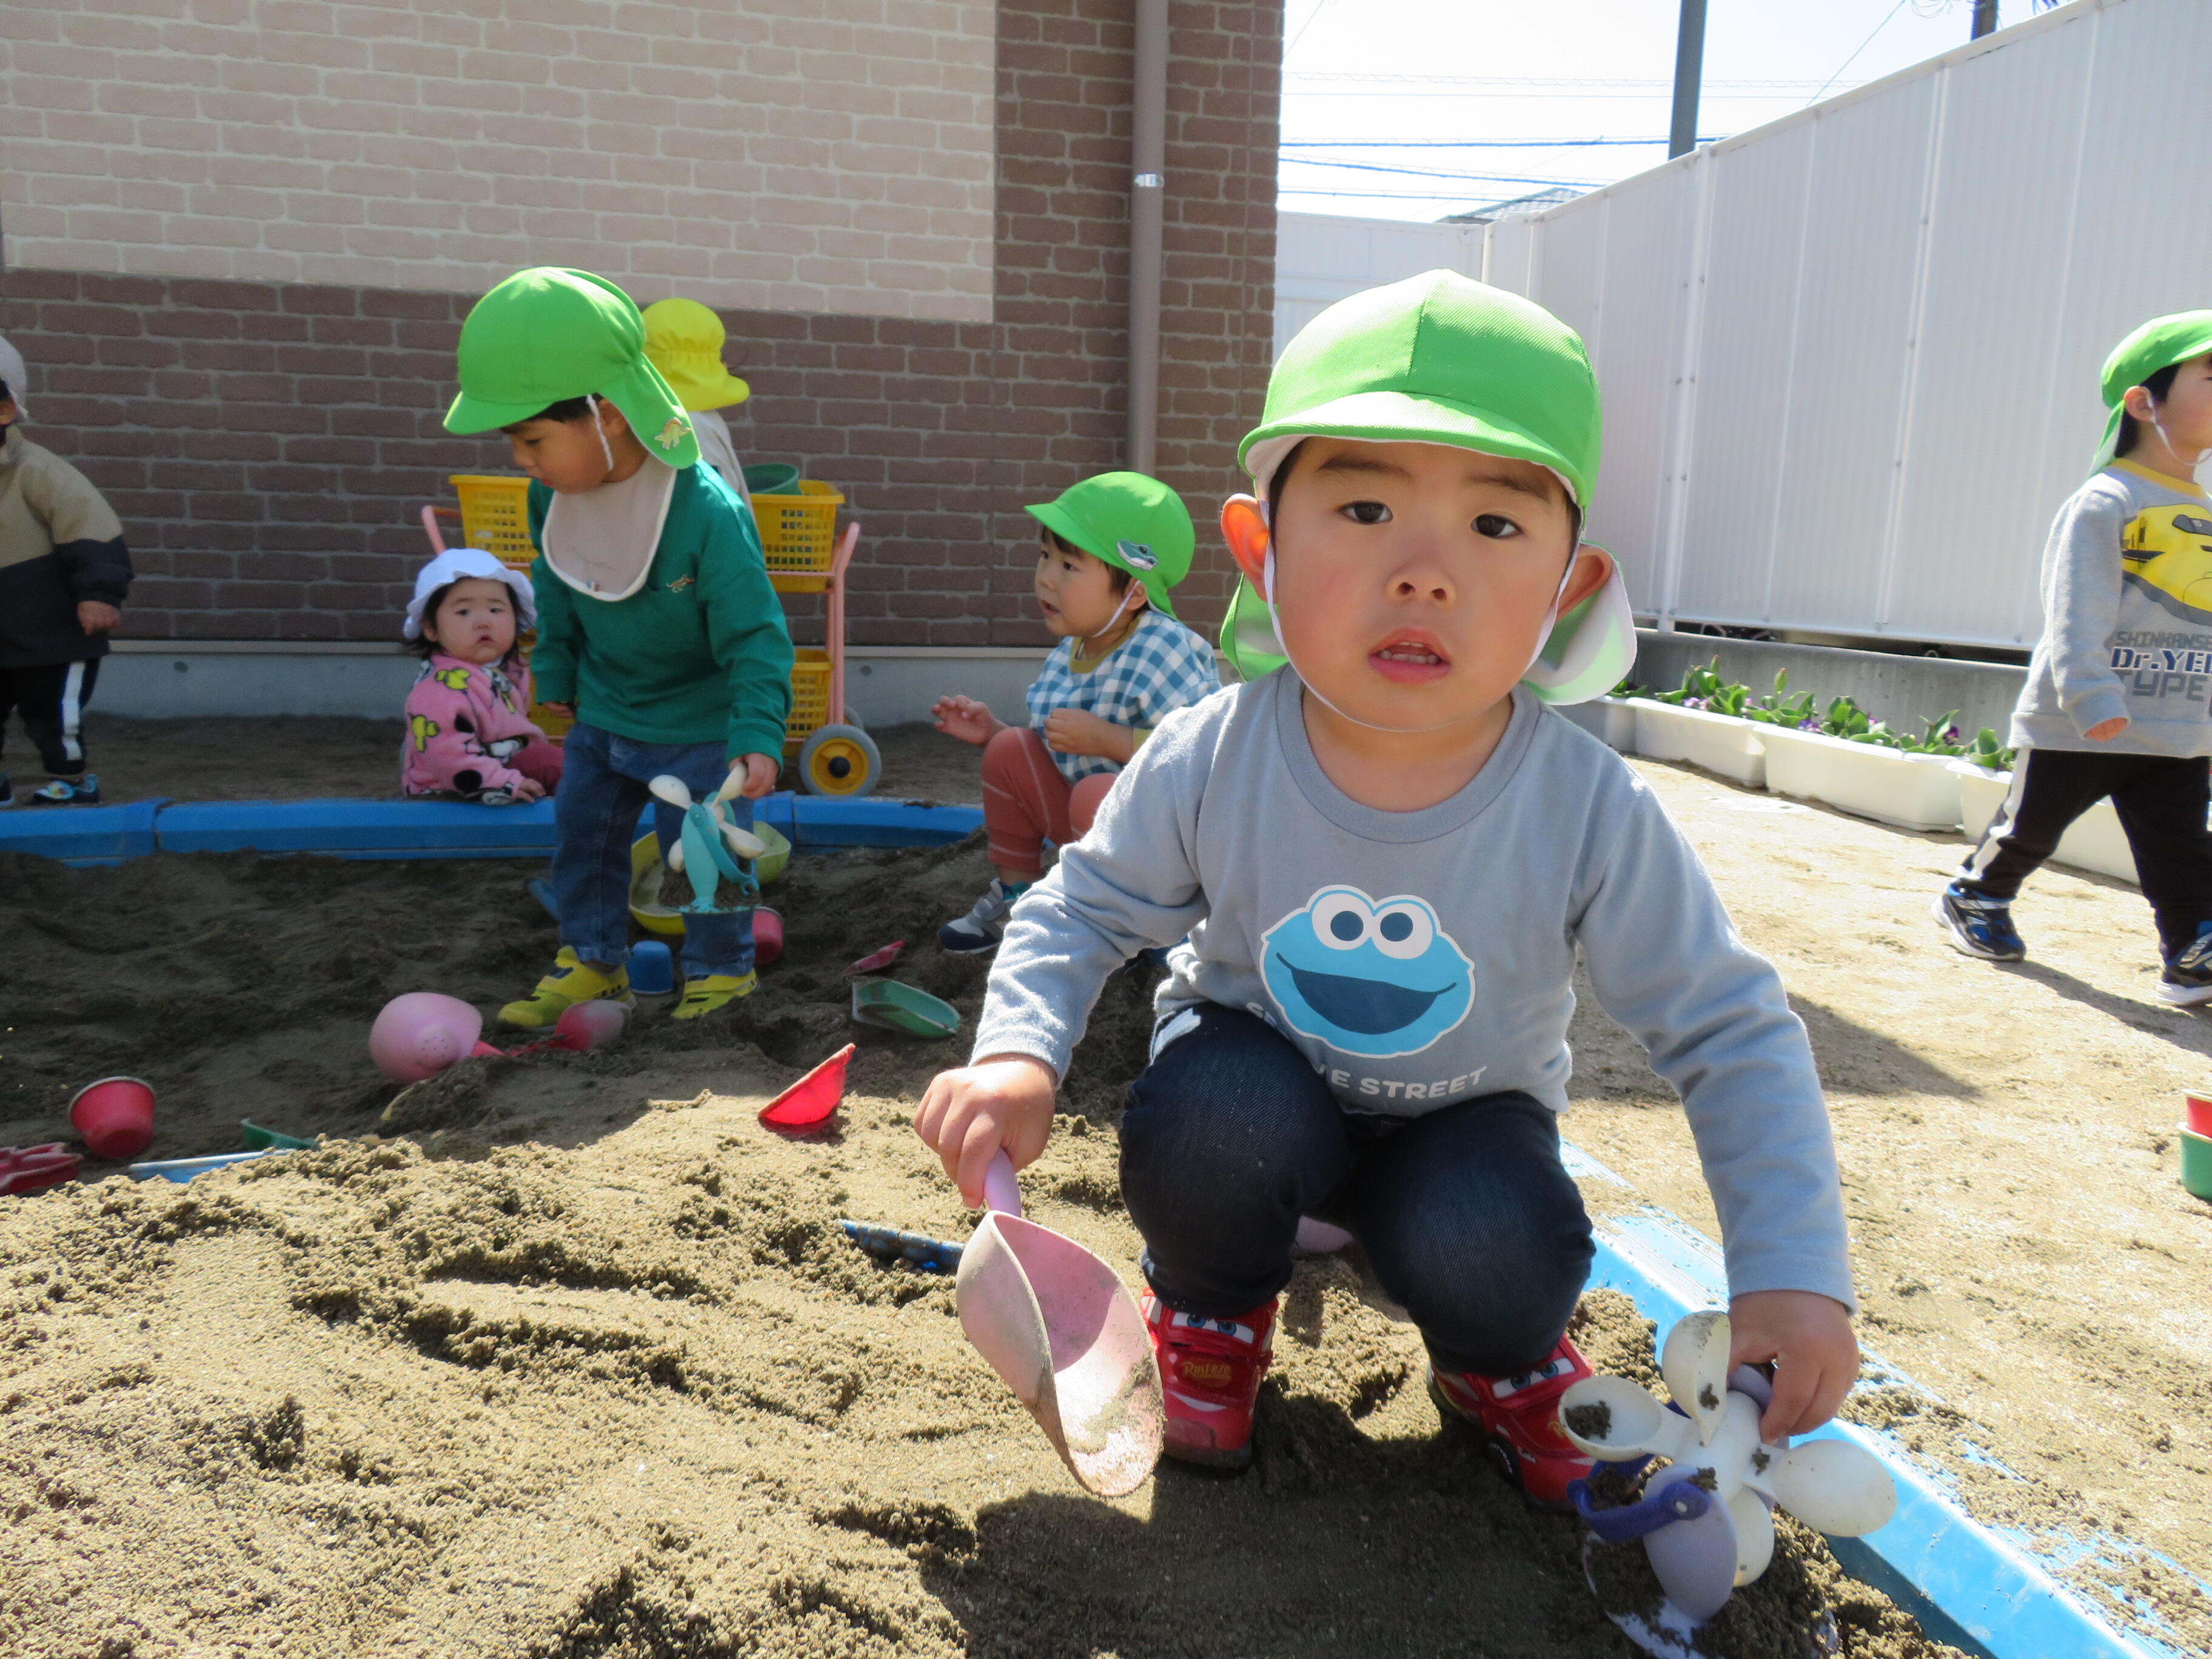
(1443, 358)
(2159, 343)
(1133, 523)
(545, 335)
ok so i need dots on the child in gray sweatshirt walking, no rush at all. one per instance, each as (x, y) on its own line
(1380, 859)
(2118, 698)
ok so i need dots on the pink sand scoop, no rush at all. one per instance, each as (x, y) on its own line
(1058, 1326)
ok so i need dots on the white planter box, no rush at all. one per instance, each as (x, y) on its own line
(1719, 743)
(2093, 842)
(1914, 792)
(1611, 721)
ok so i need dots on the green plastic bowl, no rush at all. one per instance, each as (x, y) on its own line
(772, 478)
(2197, 1164)
(898, 1007)
(770, 865)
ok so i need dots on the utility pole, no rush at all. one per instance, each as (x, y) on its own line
(1690, 74)
(1986, 19)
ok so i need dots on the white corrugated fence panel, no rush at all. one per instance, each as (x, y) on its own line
(1853, 358)
(1739, 391)
(1637, 354)
(1964, 563)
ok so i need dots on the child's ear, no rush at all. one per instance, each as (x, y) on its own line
(2138, 404)
(1593, 569)
(613, 419)
(1244, 527)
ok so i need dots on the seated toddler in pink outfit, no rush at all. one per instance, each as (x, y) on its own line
(468, 729)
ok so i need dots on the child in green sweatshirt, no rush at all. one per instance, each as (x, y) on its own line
(658, 629)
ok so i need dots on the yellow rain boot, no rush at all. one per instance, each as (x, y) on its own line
(570, 983)
(703, 996)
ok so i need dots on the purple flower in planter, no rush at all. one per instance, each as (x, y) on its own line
(1809, 724)
(1693, 702)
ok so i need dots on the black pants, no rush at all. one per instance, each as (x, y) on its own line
(51, 698)
(1467, 1215)
(2162, 803)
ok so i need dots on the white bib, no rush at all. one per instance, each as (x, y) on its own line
(602, 542)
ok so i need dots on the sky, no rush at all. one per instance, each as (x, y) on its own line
(1380, 97)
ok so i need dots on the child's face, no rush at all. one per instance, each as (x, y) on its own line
(474, 621)
(1075, 590)
(568, 456)
(2186, 413)
(1411, 580)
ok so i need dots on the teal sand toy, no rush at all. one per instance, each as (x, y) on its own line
(259, 1140)
(707, 850)
(896, 1008)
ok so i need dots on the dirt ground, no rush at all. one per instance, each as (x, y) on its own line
(303, 757)
(331, 1403)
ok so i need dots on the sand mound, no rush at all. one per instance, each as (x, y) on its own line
(581, 1365)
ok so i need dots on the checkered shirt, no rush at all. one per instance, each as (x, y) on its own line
(1161, 667)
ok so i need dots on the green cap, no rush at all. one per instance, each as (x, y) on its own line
(545, 335)
(2159, 343)
(1443, 358)
(1440, 359)
(1133, 523)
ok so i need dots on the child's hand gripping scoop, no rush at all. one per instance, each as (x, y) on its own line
(1706, 1520)
(1058, 1326)
(703, 847)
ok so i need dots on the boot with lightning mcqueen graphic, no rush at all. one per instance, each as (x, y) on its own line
(1519, 1418)
(1210, 1370)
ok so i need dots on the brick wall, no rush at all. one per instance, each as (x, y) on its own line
(267, 445)
(789, 154)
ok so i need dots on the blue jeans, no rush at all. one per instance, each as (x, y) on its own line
(603, 787)
(1467, 1216)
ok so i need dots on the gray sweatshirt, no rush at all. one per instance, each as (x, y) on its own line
(2127, 620)
(1420, 959)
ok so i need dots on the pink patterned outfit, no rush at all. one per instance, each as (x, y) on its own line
(468, 733)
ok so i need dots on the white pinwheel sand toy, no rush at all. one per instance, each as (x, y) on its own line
(1706, 1520)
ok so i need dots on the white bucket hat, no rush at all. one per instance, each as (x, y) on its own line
(457, 564)
(12, 371)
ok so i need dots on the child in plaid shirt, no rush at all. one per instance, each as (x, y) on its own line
(1109, 551)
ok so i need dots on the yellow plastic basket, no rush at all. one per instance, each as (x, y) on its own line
(494, 516)
(798, 533)
(810, 694)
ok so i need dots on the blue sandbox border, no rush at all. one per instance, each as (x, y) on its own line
(371, 828)
(1969, 1585)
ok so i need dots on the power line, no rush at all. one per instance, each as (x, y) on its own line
(1854, 57)
(1467, 144)
(1543, 81)
(1433, 173)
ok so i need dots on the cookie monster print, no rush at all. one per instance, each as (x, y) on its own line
(1376, 977)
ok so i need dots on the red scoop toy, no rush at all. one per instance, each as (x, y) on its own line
(813, 1098)
(34, 1169)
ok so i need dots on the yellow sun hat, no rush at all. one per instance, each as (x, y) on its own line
(684, 339)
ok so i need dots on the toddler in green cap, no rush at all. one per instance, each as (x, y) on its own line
(658, 629)
(1382, 857)
(2118, 697)
(1108, 551)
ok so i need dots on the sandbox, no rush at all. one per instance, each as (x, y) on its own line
(566, 1356)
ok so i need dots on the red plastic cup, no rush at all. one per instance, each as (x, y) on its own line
(2200, 1113)
(767, 936)
(114, 1116)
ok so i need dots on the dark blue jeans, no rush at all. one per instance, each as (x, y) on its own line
(602, 789)
(1467, 1215)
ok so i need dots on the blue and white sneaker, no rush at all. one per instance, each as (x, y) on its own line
(1982, 926)
(2187, 980)
(67, 792)
(982, 927)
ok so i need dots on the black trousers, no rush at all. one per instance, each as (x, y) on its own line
(2162, 803)
(51, 696)
(1468, 1216)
